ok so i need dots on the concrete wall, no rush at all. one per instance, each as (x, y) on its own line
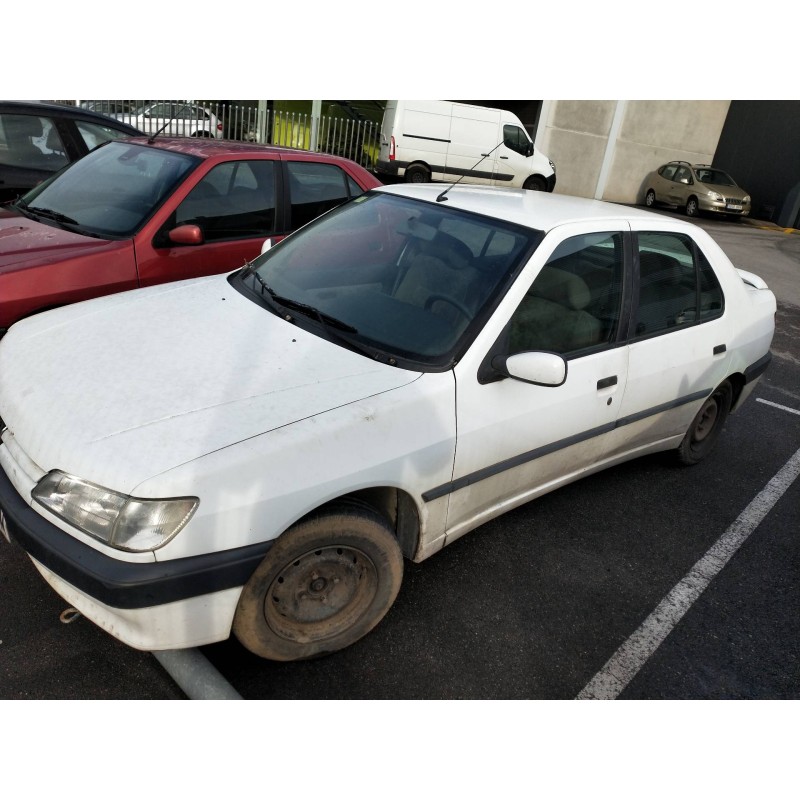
(605, 148)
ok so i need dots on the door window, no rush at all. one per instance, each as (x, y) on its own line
(576, 299)
(683, 175)
(315, 188)
(235, 200)
(514, 138)
(94, 135)
(677, 286)
(31, 142)
(668, 171)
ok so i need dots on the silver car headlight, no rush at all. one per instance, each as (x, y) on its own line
(121, 521)
(715, 195)
(746, 199)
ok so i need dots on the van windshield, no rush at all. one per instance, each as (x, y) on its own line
(403, 276)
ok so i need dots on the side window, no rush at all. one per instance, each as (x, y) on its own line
(233, 201)
(712, 301)
(314, 189)
(515, 139)
(94, 135)
(668, 171)
(31, 142)
(575, 300)
(671, 283)
(683, 175)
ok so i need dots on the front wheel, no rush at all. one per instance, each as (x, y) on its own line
(650, 198)
(692, 209)
(535, 183)
(706, 426)
(326, 582)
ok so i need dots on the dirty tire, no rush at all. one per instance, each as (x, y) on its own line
(417, 174)
(535, 183)
(324, 584)
(706, 426)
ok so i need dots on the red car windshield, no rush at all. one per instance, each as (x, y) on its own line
(111, 191)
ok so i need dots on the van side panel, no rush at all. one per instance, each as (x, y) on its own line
(424, 134)
(474, 132)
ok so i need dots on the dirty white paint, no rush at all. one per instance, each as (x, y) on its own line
(623, 666)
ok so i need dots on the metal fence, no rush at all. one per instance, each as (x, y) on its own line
(356, 139)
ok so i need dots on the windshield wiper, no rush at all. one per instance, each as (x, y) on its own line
(287, 302)
(56, 216)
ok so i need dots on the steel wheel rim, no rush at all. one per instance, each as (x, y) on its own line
(321, 594)
(708, 418)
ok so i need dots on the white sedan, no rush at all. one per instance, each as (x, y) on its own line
(257, 453)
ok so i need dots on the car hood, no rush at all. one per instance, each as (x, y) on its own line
(120, 389)
(27, 243)
(725, 189)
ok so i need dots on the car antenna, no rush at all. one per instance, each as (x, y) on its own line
(152, 138)
(441, 198)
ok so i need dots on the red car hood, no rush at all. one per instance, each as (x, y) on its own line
(27, 243)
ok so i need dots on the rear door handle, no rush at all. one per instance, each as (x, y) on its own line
(604, 383)
(720, 348)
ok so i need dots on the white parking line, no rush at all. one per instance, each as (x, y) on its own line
(776, 405)
(623, 666)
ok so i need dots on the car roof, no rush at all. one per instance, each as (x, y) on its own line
(539, 210)
(202, 147)
(60, 110)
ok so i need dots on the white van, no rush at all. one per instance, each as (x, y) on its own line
(436, 140)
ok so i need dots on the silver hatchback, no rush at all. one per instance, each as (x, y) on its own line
(696, 188)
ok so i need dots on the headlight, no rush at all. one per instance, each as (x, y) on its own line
(127, 523)
(715, 195)
(746, 199)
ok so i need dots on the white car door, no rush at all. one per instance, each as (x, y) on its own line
(515, 439)
(679, 338)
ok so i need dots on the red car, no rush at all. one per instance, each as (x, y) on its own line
(141, 211)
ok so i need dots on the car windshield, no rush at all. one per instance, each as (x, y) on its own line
(715, 176)
(402, 276)
(111, 191)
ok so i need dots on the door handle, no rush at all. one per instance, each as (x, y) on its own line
(720, 348)
(505, 157)
(604, 383)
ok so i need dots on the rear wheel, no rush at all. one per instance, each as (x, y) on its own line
(536, 183)
(706, 426)
(325, 583)
(417, 174)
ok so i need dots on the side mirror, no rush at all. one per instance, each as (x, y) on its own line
(541, 369)
(186, 234)
(530, 151)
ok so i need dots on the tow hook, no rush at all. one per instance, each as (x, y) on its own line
(69, 615)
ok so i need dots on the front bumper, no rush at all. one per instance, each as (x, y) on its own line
(116, 583)
(723, 207)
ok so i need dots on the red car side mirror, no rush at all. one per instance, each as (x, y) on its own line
(186, 234)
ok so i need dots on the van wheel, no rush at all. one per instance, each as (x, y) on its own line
(535, 183)
(324, 584)
(417, 174)
(706, 426)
